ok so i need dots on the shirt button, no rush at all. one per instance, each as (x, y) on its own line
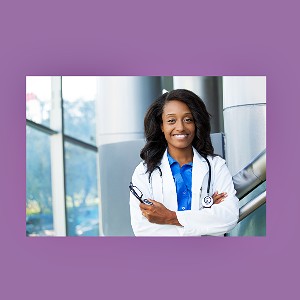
(184, 192)
(183, 208)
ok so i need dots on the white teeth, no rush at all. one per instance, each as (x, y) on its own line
(180, 136)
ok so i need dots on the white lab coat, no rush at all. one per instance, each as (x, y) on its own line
(216, 220)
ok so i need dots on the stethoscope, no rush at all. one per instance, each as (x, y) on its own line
(206, 201)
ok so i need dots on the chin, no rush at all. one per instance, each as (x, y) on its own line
(179, 145)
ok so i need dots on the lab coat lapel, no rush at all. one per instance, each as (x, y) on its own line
(169, 188)
(164, 189)
(156, 183)
(200, 169)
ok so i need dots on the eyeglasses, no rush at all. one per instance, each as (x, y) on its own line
(138, 194)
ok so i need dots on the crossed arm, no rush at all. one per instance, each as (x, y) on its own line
(158, 220)
(159, 214)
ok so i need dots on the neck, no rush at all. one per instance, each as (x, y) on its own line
(183, 156)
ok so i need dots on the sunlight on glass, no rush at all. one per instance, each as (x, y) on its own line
(79, 94)
(38, 99)
(79, 87)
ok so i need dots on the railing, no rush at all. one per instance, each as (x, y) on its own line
(252, 205)
(247, 180)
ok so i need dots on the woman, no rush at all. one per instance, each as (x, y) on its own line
(174, 175)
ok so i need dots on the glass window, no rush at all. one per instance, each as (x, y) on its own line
(39, 215)
(81, 191)
(79, 94)
(38, 99)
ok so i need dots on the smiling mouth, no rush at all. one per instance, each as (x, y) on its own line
(180, 136)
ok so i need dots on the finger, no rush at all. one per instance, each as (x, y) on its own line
(154, 204)
(218, 197)
(224, 195)
(221, 195)
(144, 213)
(146, 206)
(151, 200)
(143, 206)
(219, 200)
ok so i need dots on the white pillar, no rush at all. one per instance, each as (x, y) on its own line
(244, 107)
(122, 102)
(121, 106)
(209, 89)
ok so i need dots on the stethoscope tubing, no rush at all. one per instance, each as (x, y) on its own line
(209, 173)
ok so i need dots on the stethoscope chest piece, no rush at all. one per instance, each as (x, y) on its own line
(207, 201)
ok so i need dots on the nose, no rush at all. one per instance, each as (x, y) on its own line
(179, 125)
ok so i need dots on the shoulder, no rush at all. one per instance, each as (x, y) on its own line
(140, 178)
(217, 160)
(219, 166)
(140, 169)
(217, 163)
(214, 160)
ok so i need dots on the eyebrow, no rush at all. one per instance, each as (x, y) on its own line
(186, 113)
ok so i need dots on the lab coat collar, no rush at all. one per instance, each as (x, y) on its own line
(166, 189)
(197, 158)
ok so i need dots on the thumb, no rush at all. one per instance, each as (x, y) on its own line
(153, 201)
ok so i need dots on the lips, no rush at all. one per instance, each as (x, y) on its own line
(180, 136)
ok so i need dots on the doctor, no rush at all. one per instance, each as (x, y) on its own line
(179, 173)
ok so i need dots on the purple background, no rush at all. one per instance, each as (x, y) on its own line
(152, 38)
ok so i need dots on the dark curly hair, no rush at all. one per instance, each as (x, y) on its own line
(156, 143)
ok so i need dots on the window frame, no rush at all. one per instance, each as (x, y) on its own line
(57, 155)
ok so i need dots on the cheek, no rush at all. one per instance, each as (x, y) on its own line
(165, 128)
(193, 129)
(165, 133)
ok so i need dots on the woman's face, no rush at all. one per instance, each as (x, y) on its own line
(178, 125)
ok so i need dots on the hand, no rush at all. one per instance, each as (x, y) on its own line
(218, 198)
(158, 213)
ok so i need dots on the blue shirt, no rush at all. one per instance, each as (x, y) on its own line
(183, 181)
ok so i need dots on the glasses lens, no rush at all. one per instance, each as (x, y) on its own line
(136, 191)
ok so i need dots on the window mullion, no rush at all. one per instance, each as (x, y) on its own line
(57, 159)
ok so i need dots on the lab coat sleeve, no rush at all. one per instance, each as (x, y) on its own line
(140, 225)
(218, 219)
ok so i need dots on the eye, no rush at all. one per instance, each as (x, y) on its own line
(188, 120)
(171, 121)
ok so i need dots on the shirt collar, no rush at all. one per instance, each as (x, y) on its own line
(172, 160)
